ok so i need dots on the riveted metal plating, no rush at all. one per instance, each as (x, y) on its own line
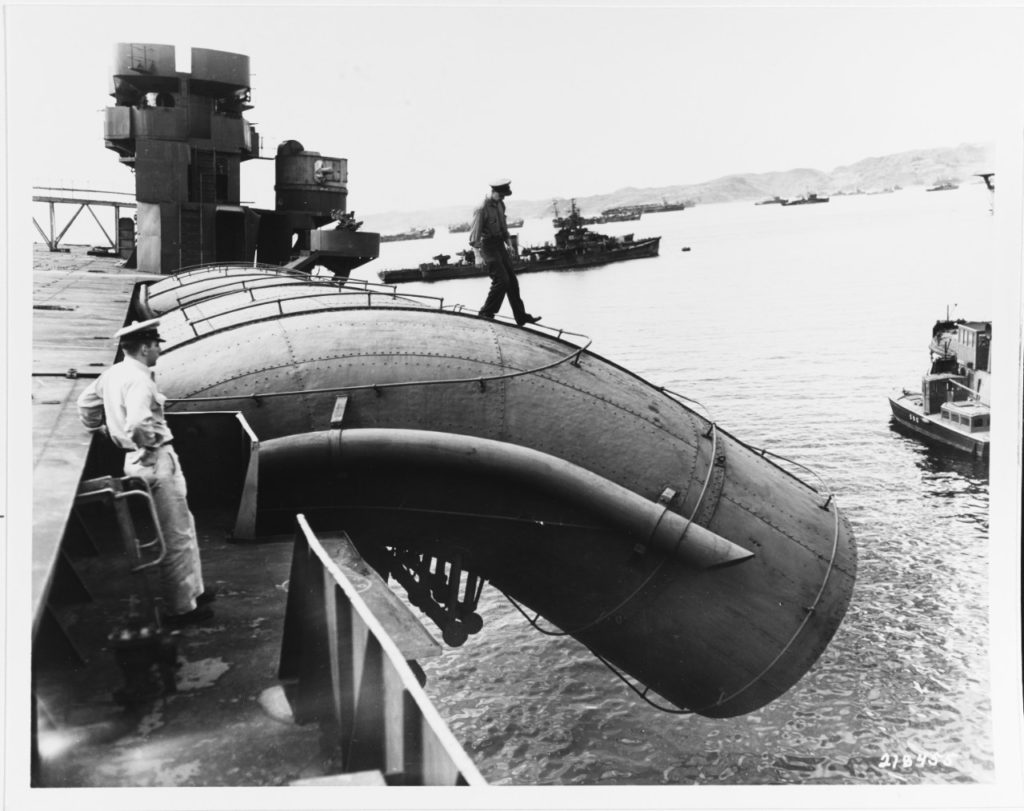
(433, 370)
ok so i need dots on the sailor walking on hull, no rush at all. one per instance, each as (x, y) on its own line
(489, 235)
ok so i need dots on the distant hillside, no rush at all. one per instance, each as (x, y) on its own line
(919, 167)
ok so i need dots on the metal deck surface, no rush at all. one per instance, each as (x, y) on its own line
(228, 723)
(216, 730)
(78, 303)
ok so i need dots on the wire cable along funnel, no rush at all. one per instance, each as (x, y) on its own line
(458, 451)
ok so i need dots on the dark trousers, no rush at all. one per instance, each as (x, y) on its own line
(503, 281)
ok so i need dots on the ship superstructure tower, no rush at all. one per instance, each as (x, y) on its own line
(185, 137)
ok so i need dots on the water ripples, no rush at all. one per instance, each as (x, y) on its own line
(798, 358)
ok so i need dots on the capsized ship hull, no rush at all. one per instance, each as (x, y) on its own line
(674, 551)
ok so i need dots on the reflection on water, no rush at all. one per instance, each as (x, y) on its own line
(938, 460)
(791, 327)
(938, 463)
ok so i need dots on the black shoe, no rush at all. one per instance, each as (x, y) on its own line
(487, 315)
(529, 319)
(198, 614)
(207, 597)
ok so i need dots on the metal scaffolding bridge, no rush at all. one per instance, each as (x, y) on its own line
(53, 239)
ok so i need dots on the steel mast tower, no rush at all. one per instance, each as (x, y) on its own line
(185, 137)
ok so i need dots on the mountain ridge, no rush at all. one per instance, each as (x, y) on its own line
(916, 167)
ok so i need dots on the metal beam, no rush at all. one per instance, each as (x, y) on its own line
(53, 242)
(74, 217)
(104, 230)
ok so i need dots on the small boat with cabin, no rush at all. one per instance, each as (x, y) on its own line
(953, 407)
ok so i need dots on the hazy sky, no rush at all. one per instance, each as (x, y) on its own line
(428, 103)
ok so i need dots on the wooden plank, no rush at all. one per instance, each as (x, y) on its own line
(60, 447)
(79, 302)
(401, 624)
(75, 312)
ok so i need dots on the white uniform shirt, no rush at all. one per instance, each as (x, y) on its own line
(126, 399)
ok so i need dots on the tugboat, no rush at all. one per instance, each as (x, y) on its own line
(945, 185)
(413, 233)
(575, 247)
(953, 407)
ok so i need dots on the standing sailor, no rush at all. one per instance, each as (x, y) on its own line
(490, 236)
(124, 403)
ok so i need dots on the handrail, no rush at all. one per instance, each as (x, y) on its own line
(84, 201)
(119, 495)
(278, 301)
(572, 357)
(223, 269)
(262, 269)
(215, 281)
(83, 191)
(222, 290)
(353, 680)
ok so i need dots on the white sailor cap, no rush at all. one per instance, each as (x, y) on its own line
(502, 184)
(141, 330)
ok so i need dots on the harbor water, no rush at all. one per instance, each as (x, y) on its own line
(790, 326)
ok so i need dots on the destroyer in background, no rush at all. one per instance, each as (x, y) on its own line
(953, 407)
(575, 247)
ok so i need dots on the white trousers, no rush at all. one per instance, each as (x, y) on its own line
(181, 574)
